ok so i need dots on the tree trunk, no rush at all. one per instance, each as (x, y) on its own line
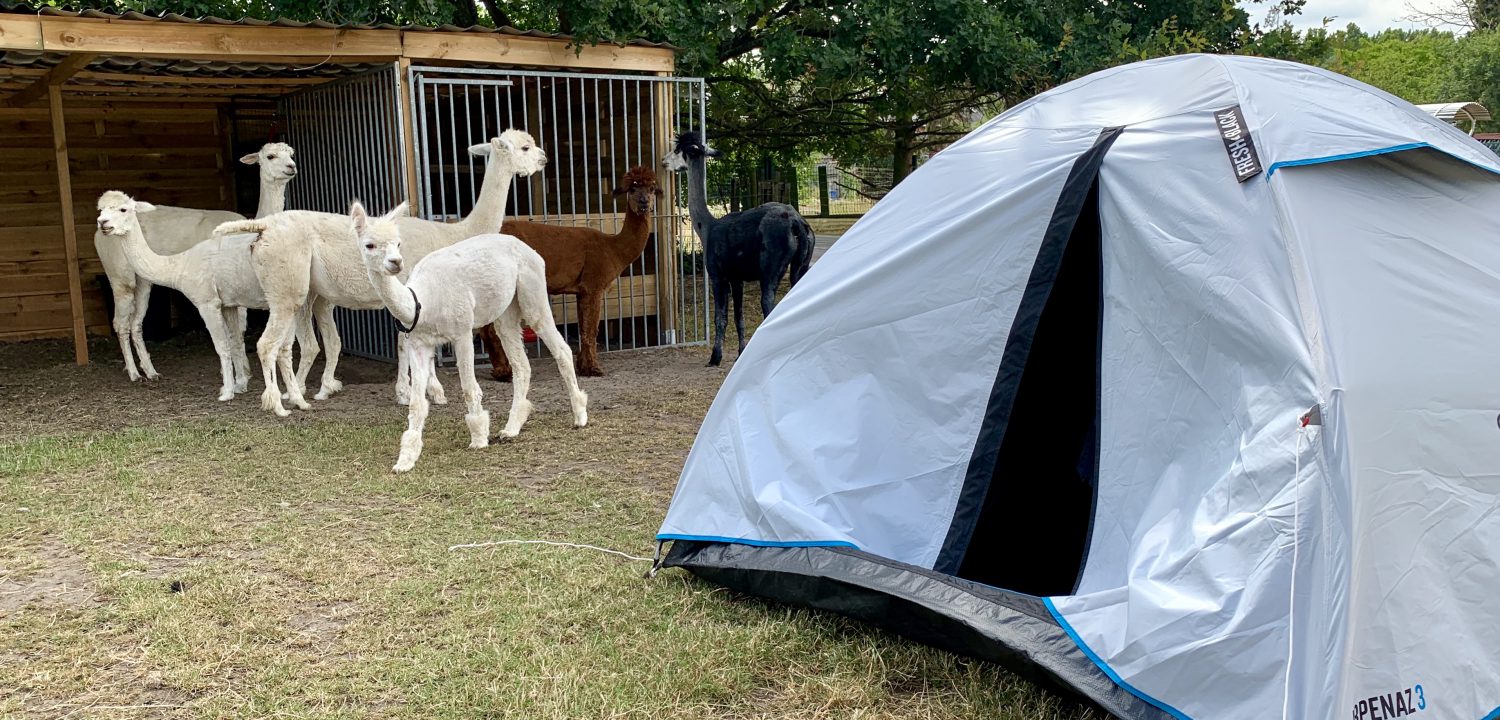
(497, 14)
(904, 156)
(465, 13)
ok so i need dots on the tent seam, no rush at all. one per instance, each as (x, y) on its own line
(1106, 669)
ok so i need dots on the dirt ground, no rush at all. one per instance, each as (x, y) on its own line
(42, 391)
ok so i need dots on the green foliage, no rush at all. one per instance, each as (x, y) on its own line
(1420, 66)
(859, 79)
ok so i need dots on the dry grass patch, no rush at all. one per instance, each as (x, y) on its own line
(167, 556)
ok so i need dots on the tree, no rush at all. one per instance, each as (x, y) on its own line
(1466, 15)
(889, 78)
(896, 77)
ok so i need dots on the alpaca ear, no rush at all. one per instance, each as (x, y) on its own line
(711, 152)
(396, 212)
(480, 150)
(505, 142)
(360, 217)
(143, 206)
(658, 192)
(251, 159)
(617, 191)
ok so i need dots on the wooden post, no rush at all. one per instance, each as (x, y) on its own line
(823, 190)
(668, 255)
(407, 98)
(70, 233)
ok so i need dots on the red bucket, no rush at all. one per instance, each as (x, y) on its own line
(528, 335)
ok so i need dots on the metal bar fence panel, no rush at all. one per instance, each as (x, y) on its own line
(593, 126)
(349, 133)
(591, 139)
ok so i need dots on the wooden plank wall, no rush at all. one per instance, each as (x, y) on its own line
(170, 154)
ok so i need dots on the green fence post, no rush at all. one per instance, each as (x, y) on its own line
(823, 190)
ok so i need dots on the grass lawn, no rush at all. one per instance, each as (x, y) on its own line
(163, 555)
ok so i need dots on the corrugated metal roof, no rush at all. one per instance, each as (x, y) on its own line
(108, 73)
(6, 7)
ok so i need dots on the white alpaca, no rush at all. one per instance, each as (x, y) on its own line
(307, 258)
(484, 280)
(171, 230)
(215, 275)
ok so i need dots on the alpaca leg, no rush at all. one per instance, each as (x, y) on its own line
(137, 319)
(124, 308)
(235, 326)
(536, 307)
(590, 306)
(213, 319)
(416, 414)
(739, 313)
(236, 322)
(403, 372)
(477, 419)
(499, 365)
(268, 348)
(332, 343)
(284, 366)
(509, 329)
(307, 340)
(721, 320)
(435, 391)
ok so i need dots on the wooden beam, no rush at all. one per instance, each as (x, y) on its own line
(70, 232)
(504, 49)
(58, 75)
(20, 32)
(668, 263)
(204, 41)
(408, 134)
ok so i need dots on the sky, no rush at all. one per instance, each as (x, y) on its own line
(1370, 15)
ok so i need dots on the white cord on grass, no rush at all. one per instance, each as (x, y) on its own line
(548, 542)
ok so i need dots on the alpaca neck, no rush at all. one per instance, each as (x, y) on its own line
(489, 207)
(630, 242)
(394, 295)
(159, 269)
(698, 197)
(272, 197)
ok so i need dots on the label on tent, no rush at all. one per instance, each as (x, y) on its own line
(1237, 143)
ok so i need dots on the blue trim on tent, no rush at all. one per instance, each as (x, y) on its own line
(1369, 153)
(1494, 715)
(1114, 676)
(761, 543)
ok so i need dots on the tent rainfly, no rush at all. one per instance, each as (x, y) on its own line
(1173, 385)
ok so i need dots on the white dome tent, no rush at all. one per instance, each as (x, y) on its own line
(1176, 385)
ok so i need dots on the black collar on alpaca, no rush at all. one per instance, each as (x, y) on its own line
(415, 318)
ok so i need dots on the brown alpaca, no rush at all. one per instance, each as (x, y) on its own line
(584, 262)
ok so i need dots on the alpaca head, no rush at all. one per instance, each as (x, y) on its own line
(515, 146)
(639, 188)
(379, 238)
(117, 212)
(275, 161)
(690, 147)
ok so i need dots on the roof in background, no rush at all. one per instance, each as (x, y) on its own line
(6, 7)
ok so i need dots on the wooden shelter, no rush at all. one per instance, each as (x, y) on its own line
(92, 101)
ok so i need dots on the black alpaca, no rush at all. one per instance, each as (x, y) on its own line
(751, 245)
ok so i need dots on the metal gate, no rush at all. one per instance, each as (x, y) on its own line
(349, 145)
(593, 128)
